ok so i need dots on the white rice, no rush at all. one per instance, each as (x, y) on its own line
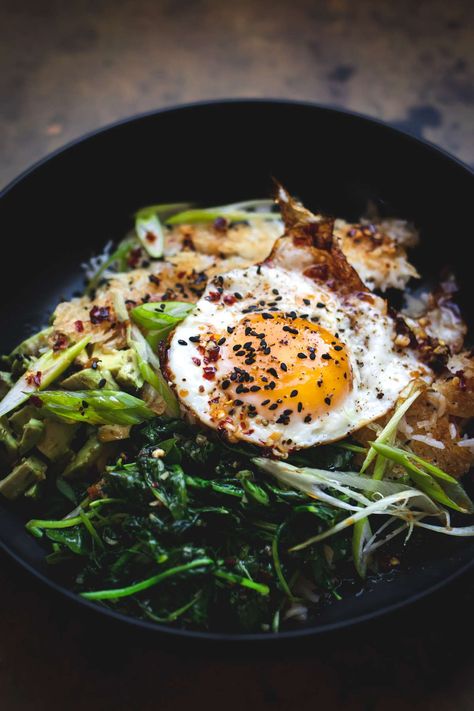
(430, 441)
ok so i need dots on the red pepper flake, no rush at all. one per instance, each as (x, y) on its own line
(60, 341)
(213, 296)
(462, 379)
(220, 224)
(99, 314)
(196, 361)
(150, 237)
(134, 257)
(79, 326)
(94, 491)
(212, 355)
(209, 373)
(229, 299)
(34, 378)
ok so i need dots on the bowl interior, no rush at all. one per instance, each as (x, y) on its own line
(64, 211)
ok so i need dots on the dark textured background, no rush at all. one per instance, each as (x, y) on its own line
(68, 67)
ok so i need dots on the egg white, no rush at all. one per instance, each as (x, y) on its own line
(380, 370)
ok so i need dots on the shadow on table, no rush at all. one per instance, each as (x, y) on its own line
(54, 655)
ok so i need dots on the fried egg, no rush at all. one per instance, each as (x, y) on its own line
(291, 353)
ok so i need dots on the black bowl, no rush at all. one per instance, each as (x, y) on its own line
(64, 209)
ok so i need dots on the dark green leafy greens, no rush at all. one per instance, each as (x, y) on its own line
(191, 533)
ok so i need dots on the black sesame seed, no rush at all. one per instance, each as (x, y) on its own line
(312, 356)
(240, 353)
(275, 291)
(249, 361)
(306, 301)
(255, 388)
(326, 356)
(194, 339)
(302, 355)
(182, 342)
(103, 381)
(294, 393)
(265, 402)
(230, 329)
(237, 347)
(267, 351)
(338, 348)
(221, 341)
(327, 400)
(300, 406)
(238, 402)
(267, 315)
(273, 372)
(320, 305)
(308, 418)
(237, 295)
(225, 384)
(284, 367)
(273, 407)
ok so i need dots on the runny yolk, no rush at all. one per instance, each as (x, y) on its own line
(285, 368)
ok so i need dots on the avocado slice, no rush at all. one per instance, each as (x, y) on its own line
(56, 438)
(22, 477)
(123, 366)
(19, 419)
(7, 441)
(90, 379)
(32, 432)
(6, 382)
(86, 458)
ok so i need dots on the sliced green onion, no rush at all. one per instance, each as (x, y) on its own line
(158, 319)
(150, 370)
(163, 210)
(390, 428)
(119, 255)
(150, 233)
(47, 369)
(96, 407)
(192, 217)
(450, 492)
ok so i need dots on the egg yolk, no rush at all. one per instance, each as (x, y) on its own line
(285, 368)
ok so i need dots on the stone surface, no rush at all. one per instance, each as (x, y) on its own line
(68, 68)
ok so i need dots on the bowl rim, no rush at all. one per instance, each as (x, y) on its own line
(215, 637)
(207, 103)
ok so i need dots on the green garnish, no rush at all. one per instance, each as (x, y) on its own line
(95, 407)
